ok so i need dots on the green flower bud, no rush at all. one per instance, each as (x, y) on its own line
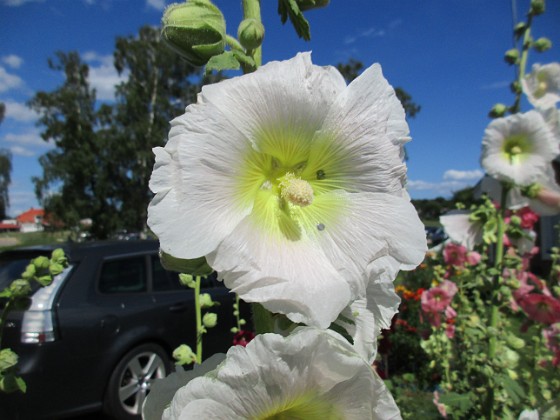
(195, 267)
(206, 301)
(250, 33)
(234, 330)
(184, 355)
(44, 280)
(515, 87)
(512, 374)
(196, 30)
(20, 288)
(498, 110)
(511, 56)
(55, 269)
(187, 280)
(242, 322)
(311, 4)
(210, 319)
(58, 256)
(519, 29)
(537, 7)
(531, 190)
(542, 44)
(511, 358)
(41, 263)
(515, 221)
(514, 342)
(29, 272)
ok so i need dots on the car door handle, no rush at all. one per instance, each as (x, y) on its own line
(178, 307)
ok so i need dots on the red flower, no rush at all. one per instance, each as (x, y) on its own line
(541, 308)
(242, 338)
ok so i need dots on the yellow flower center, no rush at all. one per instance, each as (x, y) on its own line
(296, 190)
(516, 148)
(308, 406)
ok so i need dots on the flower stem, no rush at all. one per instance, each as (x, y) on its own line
(523, 63)
(252, 10)
(495, 308)
(198, 315)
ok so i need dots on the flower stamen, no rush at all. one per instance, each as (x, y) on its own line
(296, 190)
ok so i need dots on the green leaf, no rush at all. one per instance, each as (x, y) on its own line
(459, 404)
(514, 390)
(224, 61)
(290, 8)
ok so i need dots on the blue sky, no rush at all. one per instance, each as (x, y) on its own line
(446, 53)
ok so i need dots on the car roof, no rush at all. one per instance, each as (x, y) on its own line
(75, 251)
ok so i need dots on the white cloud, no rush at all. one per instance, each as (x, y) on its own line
(12, 61)
(367, 33)
(21, 201)
(496, 85)
(156, 4)
(21, 151)
(453, 180)
(453, 174)
(102, 75)
(26, 144)
(16, 3)
(19, 112)
(9, 81)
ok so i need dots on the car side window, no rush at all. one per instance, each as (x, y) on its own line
(127, 275)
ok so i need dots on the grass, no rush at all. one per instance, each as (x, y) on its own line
(15, 239)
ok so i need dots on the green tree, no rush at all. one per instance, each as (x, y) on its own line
(73, 185)
(158, 87)
(5, 172)
(5, 180)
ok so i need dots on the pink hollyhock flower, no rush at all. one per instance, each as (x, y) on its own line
(435, 300)
(440, 406)
(450, 331)
(450, 313)
(552, 337)
(449, 287)
(455, 254)
(458, 255)
(528, 217)
(541, 308)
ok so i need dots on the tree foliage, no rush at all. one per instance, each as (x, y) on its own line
(5, 172)
(102, 159)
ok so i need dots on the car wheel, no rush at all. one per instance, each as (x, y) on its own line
(131, 380)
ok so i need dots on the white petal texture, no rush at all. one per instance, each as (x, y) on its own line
(461, 229)
(542, 85)
(311, 374)
(518, 149)
(364, 319)
(290, 183)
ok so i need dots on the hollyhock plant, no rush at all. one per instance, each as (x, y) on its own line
(541, 308)
(518, 149)
(290, 184)
(458, 255)
(311, 374)
(542, 85)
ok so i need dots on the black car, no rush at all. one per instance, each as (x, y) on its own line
(105, 328)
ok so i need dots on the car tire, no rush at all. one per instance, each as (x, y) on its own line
(131, 380)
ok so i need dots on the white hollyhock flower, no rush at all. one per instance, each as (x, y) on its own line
(542, 85)
(364, 319)
(290, 183)
(516, 200)
(311, 374)
(461, 229)
(518, 149)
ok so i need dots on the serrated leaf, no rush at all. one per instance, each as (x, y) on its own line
(224, 61)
